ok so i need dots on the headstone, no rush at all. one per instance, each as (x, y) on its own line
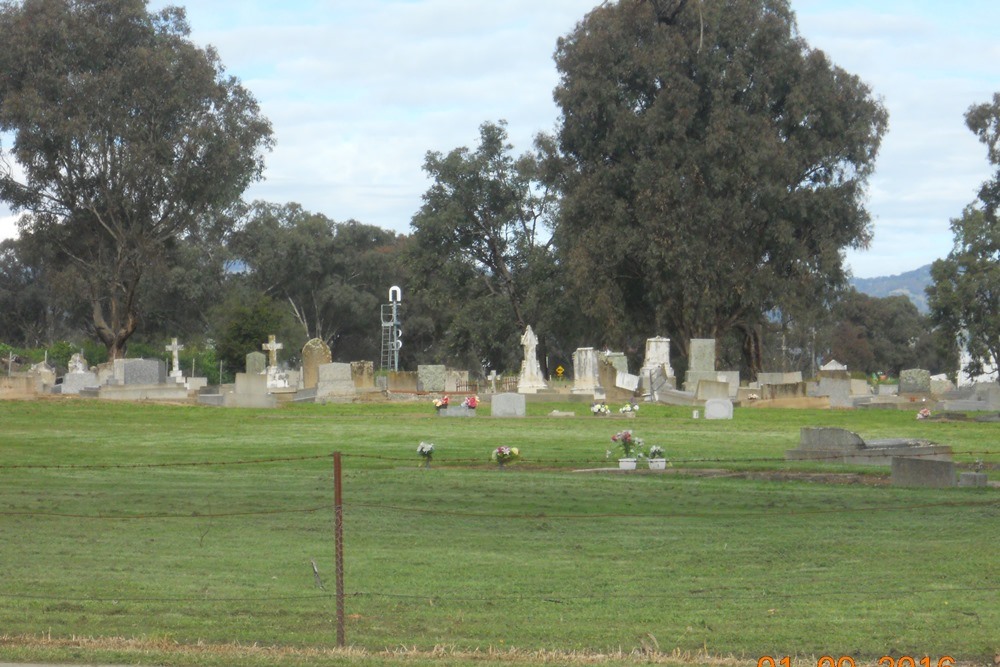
(609, 390)
(701, 366)
(888, 389)
(585, 371)
(402, 381)
(627, 382)
(838, 390)
(508, 405)
(46, 374)
(829, 439)
(833, 366)
(272, 346)
(860, 388)
(922, 473)
(765, 379)
(618, 360)
(78, 364)
(702, 354)
(972, 479)
(940, 384)
(732, 378)
(718, 408)
(175, 366)
(315, 353)
(914, 381)
(256, 363)
(841, 446)
(530, 381)
(363, 373)
(709, 389)
(453, 379)
(431, 377)
(657, 357)
(251, 384)
(76, 381)
(139, 371)
(335, 381)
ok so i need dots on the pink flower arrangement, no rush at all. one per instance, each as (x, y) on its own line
(441, 402)
(471, 402)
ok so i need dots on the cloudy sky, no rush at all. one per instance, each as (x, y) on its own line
(359, 90)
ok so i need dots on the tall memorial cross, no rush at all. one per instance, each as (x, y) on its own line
(175, 349)
(272, 347)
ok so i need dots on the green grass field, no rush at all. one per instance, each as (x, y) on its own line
(172, 535)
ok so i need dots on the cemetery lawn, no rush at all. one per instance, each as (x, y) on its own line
(180, 535)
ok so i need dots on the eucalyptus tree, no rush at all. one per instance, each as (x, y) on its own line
(488, 217)
(126, 136)
(716, 166)
(965, 295)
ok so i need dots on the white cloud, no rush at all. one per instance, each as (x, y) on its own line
(359, 91)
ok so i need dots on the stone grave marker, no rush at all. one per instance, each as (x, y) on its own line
(175, 360)
(363, 373)
(585, 371)
(709, 389)
(139, 371)
(431, 377)
(256, 363)
(914, 381)
(508, 405)
(335, 381)
(315, 353)
(922, 473)
(530, 381)
(718, 408)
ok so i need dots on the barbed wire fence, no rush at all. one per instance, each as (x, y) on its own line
(336, 511)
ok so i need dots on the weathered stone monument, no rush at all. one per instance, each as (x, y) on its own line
(315, 353)
(718, 408)
(336, 381)
(79, 376)
(175, 366)
(530, 380)
(585, 371)
(701, 363)
(276, 377)
(256, 363)
(508, 405)
(656, 369)
(431, 377)
(914, 381)
(922, 473)
(837, 445)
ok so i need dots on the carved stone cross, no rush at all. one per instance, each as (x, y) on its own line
(272, 347)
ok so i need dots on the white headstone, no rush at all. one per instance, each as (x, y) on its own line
(585, 371)
(657, 356)
(530, 380)
(175, 366)
(718, 408)
(272, 347)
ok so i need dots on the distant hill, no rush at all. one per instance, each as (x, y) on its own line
(910, 284)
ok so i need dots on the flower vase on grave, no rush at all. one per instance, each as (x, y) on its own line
(657, 464)
(626, 464)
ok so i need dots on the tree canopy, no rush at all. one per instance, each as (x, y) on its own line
(716, 165)
(126, 136)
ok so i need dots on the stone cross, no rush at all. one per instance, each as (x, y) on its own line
(272, 347)
(174, 348)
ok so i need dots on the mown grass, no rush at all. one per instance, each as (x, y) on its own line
(114, 530)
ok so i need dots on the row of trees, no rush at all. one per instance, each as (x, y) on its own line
(708, 171)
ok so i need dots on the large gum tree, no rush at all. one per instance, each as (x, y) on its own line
(119, 137)
(717, 167)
